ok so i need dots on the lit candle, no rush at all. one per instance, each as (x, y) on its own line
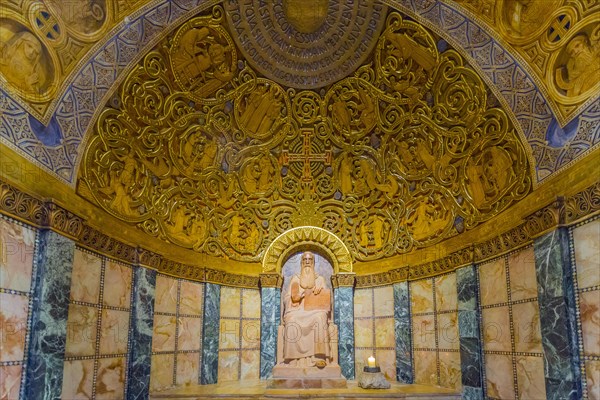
(371, 362)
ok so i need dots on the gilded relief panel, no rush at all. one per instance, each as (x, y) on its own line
(559, 39)
(41, 43)
(198, 149)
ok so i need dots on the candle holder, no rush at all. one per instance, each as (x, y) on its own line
(371, 369)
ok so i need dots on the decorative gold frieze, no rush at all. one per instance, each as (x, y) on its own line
(583, 204)
(343, 279)
(274, 280)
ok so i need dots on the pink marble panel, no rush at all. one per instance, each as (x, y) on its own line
(421, 296)
(363, 303)
(161, 372)
(81, 330)
(523, 281)
(163, 335)
(188, 368)
(85, 278)
(531, 382)
(13, 326)
(589, 307)
(360, 358)
(78, 379)
(586, 239)
(230, 302)
(117, 285)
(190, 333)
(10, 381)
(250, 364)
(447, 325)
(190, 298)
(363, 332)
(229, 334)
(110, 381)
(386, 360)
(229, 362)
(492, 282)
(251, 303)
(384, 301)
(165, 294)
(384, 332)
(499, 376)
(251, 334)
(450, 375)
(496, 329)
(446, 298)
(425, 367)
(114, 331)
(526, 324)
(16, 255)
(592, 372)
(423, 332)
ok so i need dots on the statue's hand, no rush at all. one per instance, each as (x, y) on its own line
(318, 287)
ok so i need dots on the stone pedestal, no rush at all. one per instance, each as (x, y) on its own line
(373, 380)
(286, 377)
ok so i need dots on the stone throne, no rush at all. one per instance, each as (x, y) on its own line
(307, 334)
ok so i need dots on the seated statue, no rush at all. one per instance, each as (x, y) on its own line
(305, 335)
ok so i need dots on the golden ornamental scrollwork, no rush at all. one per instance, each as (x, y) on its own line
(201, 151)
(559, 39)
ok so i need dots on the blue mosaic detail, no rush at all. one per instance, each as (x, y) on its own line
(142, 322)
(209, 367)
(50, 309)
(556, 300)
(402, 332)
(270, 318)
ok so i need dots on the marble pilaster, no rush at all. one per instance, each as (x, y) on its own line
(343, 316)
(142, 321)
(270, 318)
(469, 333)
(556, 299)
(404, 366)
(50, 309)
(209, 366)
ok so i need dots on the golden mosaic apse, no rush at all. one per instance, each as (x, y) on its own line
(203, 150)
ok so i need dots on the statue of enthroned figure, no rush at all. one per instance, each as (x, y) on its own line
(307, 338)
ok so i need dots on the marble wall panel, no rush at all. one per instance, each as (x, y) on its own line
(344, 318)
(403, 333)
(421, 296)
(10, 381)
(446, 298)
(17, 243)
(589, 309)
(161, 372)
(164, 333)
(383, 298)
(450, 371)
(117, 285)
(114, 332)
(79, 384)
(190, 330)
(50, 309)
(166, 294)
(110, 379)
(496, 329)
(523, 284)
(142, 321)
(592, 369)
(14, 310)
(384, 332)
(423, 332)
(526, 326)
(190, 298)
(270, 319)
(239, 334)
(586, 239)
(425, 367)
(188, 369)
(447, 331)
(363, 303)
(492, 281)
(499, 376)
(530, 378)
(85, 280)
(81, 332)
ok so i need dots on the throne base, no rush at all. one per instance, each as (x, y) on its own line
(286, 377)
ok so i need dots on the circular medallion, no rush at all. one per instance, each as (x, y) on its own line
(306, 44)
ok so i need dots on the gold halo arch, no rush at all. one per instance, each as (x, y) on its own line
(307, 238)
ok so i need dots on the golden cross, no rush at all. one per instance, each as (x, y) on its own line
(307, 156)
